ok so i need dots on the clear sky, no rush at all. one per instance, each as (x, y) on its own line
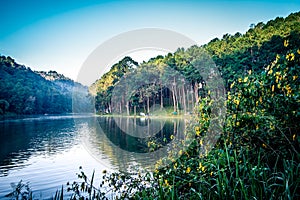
(60, 34)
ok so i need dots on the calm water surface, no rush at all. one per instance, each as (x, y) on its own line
(47, 151)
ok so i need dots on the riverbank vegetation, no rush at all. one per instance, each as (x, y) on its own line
(257, 155)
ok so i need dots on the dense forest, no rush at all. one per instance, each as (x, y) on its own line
(23, 91)
(234, 55)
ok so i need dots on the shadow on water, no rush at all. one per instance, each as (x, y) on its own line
(127, 141)
(124, 141)
(120, 141)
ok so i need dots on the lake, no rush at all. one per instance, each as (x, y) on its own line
(47, 151)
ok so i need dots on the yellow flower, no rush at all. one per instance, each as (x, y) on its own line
(270, 72)
(272, 88)
(172, 137)
(237, 123)
(288, 89)
(277, 57)
(249, 72)
(264, 145)
(175, 166)
(200, 165)
(232, 84)
(201, 142)
(290, 57)
(236, 101)
(240, 80)
(286, 43)
(188, 170)
(211, 173)
(295, 77)
(245, 79)
(298, 51)
(180, 152)
(166, 182)
(294, 137)
(202, 168)
(229, 97)
(277, 74)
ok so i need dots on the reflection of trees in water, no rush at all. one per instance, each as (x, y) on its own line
(109, 144)
(22, 139)
(112, 139)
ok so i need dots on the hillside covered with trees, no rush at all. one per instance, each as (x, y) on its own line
(234, 55)
(23, 91)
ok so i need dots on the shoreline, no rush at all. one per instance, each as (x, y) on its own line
(147, 117)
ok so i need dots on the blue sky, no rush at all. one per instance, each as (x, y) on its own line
(59, 35)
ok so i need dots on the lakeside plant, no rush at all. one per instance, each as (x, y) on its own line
(256, 157)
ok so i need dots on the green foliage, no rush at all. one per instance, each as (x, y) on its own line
(258, 154)
(255, 49)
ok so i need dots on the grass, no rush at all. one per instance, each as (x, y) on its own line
(227, 173)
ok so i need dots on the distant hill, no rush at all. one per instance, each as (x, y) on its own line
(23, 91)
(52, 75)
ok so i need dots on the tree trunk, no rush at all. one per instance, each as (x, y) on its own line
(176, 95)
(174, 100)
(183, 98)
(148, 105)
(192, 98)
(161, 98)
(134, 110)
(196, 87)
(127, 107)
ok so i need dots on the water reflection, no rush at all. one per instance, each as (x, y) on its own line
(113, 137)
(24, 138)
